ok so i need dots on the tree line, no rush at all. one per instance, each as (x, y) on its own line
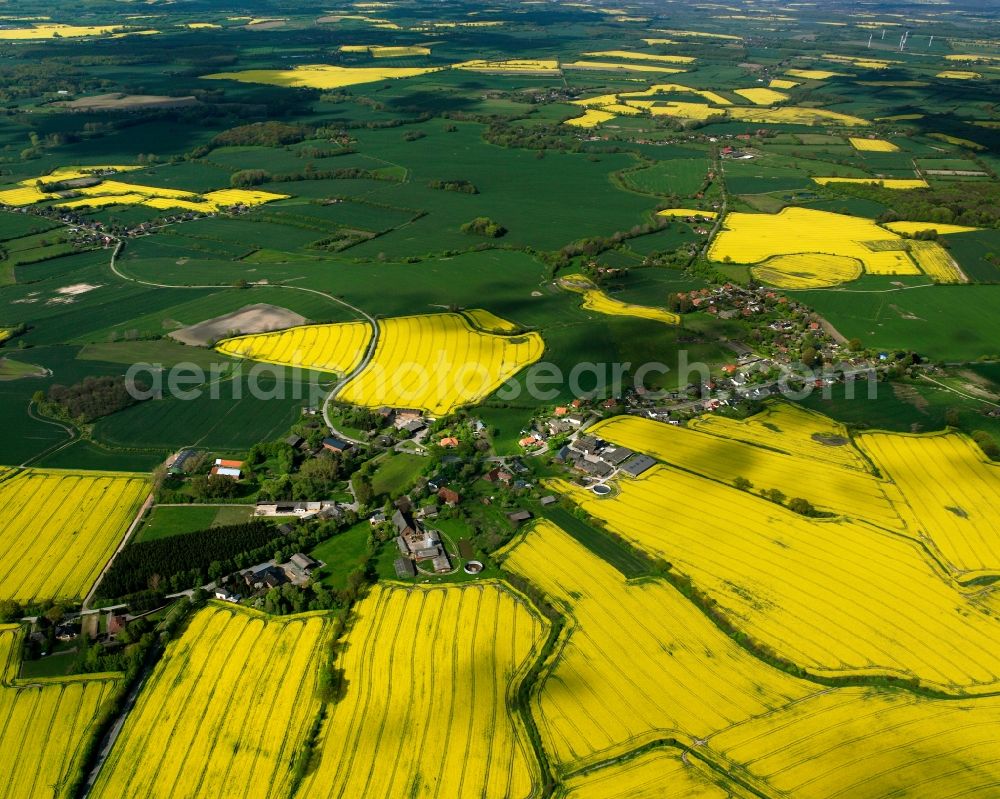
(190, 559)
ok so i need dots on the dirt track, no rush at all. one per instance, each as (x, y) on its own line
(259, 318)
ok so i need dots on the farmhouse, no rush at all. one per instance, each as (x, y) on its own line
(638, 464)
(225, 595)
(419, 545)
(449, 497)
(519, 517)
(331, 444)
(303, 563)
(615, 456)
(321, 509)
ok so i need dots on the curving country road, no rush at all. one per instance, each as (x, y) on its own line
(371, 320)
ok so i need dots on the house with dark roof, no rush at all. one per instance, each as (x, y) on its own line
(403, 522)
(404, 568)
(616, 455)
(332, 444)
(638, 464)
(587, 444)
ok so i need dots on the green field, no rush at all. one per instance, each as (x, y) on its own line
(396, 473)
(164, 521)
(342, 554)
(952, 323)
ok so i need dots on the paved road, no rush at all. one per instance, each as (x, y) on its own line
(372, 321)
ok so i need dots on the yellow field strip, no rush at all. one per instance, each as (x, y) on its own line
(431, 674)
(61, 527)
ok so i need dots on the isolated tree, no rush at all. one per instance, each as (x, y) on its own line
(742, 483)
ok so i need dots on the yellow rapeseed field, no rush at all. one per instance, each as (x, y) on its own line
(61, 527)
(638, 56)
(781, 83)
(226, 197)
(700, 34)
(680, 109)
(381, 51)
(807, 270)
(674, 212)
(226, 710)
(866, 63)
(100, 202)
(615, 66)
(47, 724)
(837, 597)
(336, 348)
(940, 228)
(971, 57)
(591, 118)
(936, 262)
(28, 193)
(671, 88)
(958, 74)
(116, 192)
(752, 238)
(872, 145)
(793, 115)
(426, 712)
(760, 96)
(657, 774)
(517, 65)
(867, 743)
(320, 76)
(815, 74)
(437, 362)
(596, 300)
(886, 183)
(51, 30)
(790, 429)
(490, 322)
(622, 110)
(957, 141)
(841, 491)
(951, 493)
(641, 661)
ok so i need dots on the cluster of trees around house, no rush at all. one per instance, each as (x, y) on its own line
(184, 561)
(273, 470)
(90, 399)
(484, 226)
(463, 186)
